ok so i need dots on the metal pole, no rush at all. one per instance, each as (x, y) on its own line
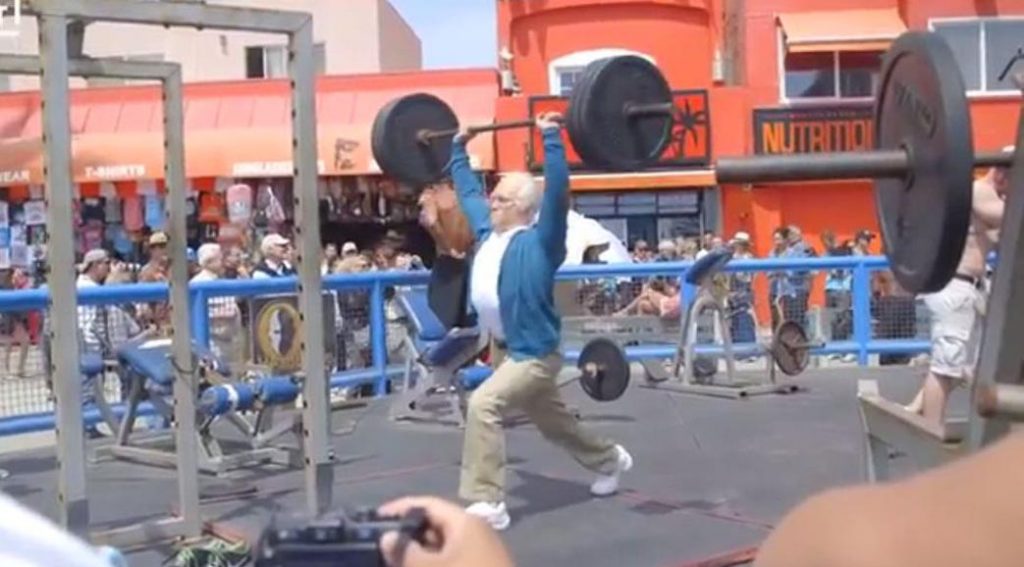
(185, 388)
(53, 62)
(319, 455)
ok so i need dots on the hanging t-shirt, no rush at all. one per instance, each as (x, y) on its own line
(113, 209)
(93, 209)
(239, 204)
(133, 220)
(154, 212)
(120, 241)
(211, 207)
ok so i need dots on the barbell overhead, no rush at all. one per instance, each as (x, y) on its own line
(621, 114)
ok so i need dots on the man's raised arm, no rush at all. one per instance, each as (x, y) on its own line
(553, 222)
(470, 191)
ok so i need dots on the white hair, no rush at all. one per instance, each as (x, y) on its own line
(527, 191)
(207, 252)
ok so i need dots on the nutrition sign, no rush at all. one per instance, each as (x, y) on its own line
(813, 130)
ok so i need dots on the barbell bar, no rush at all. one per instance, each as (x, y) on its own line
(631, 110)
(873, 164)
(621, 114)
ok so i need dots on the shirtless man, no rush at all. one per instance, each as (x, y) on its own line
(956, 308)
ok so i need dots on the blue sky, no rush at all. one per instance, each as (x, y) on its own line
(454, 33)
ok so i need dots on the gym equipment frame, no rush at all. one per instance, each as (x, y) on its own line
(54, 17)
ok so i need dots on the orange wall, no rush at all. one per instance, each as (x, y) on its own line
(676, 33)
(917, 12)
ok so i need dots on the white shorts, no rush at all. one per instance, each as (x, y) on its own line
(956, 327)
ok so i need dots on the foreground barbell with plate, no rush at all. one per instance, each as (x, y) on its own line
(604, 370)
(620, 117)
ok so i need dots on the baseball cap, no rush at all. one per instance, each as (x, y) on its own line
(92, 257)
(158, 239)
(741, 237)
(349, 248)
(666, 246)
(274, 239)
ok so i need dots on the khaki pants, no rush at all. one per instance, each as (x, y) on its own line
(531, 386)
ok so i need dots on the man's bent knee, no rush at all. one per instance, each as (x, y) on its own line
(483, 406)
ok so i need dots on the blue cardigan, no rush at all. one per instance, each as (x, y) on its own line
(527, 278)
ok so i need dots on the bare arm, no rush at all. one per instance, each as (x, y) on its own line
(987, 206)
(965, 513)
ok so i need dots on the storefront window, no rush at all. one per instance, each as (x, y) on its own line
(636, 215)
(831, 75)
(858, 73)
(810, 75)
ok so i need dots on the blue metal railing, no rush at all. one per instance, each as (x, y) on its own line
(861, 344)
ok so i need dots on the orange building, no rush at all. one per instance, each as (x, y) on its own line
(751, 76)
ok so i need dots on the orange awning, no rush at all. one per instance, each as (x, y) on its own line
(233, 129)
(843, 30)
(644, 181)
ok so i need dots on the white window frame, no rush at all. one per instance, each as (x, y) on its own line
(578, 60)
(780, 42)
(266, 51)
(981, 21)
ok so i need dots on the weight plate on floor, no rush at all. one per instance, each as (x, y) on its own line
(395, 139)
(790, 348)
(601, 131)
(612, 376)
(922, 107)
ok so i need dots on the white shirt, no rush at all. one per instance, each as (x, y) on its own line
(484, 280)
(584, 232)
(30, 540)
(88, 317)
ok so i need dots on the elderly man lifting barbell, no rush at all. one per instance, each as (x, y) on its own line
(511, 288)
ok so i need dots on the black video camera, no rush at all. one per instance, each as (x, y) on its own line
(334, 541)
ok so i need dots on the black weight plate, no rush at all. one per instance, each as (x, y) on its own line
(922, 106)
(612, 377)
(601, 129)
(790, 348)
(581, 142)
(395, 142)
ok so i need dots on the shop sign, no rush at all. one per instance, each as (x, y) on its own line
(813, 130)
(268, 168)
(113, 172)
(691, 133)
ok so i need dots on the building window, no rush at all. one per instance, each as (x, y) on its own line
(984, 48)
(831, 74)
(565, 71)
(567, 79)
(5, 83)
(266, 61)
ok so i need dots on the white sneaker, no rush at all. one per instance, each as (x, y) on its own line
(494, 513)
(608, 484)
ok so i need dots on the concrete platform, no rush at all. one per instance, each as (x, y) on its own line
(711, 475)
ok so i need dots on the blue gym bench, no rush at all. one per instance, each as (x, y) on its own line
(440, 367)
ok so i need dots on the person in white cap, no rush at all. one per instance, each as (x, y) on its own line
(93, 271)
(276, 251)
(225, 320)
(349, 249)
